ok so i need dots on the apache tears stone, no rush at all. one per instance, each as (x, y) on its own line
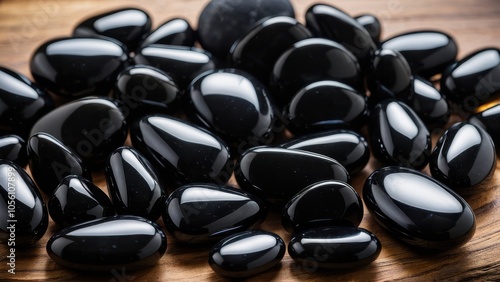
(13, 148)
(372, 25)
(489, 120)
(173, 32)
(428, 103)
(418, 209)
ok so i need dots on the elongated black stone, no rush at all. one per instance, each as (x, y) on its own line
(489, 120)
(428, 103)
(13, 148)
(372, 24)
(173, 32)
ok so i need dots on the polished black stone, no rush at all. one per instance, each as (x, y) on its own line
(182, 152)
(145, 90)
(128, 26)
(326, 203)
(330, 22)
(133, 184)
(173, 32)
(347, 147)
(78, 200)
(23, 219)
(372, 24)
(325, 105)
(222, 22)
(13, 148)
(472, 81)
(201, 213)
(91, 127)
(489, 120)
(277, 174)
(428, 103)
(398, 136)
(246, 254)
(428, 52)
(50, 161)
(334, 248)
(259, 49)
(418, 209)
(116, 242)
(312, 60)
(77, 67)
(464, 156)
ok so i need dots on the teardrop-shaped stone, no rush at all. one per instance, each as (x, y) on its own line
(78, 200)
(13, 148)
(489, 120)
(372, 24)
(418, 209)
(91, 127)
(23, 219)
(50, 161)
(182, 152)
(277, 174)
(246, 254)
(334, 248)
(78, 67)
(428, 103)
(347, 147)
(107, 243)
(464, 156)
(398, 136)
(133, 184)
(200, 213)
(326, 203)
(176, 31)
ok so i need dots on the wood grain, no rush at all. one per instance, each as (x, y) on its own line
(473, 23)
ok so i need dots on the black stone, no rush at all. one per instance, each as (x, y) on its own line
(489, 120)
(326, 203)
(246, 254)
(464, 156)
(418, 209)
(13, 148)
(201, 213)
(334, 248)
(372, 24)
(77, 200)
(173, 32)
(428, 103)
(108, 243)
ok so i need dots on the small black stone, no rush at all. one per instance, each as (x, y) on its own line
(489, 120)
(173, 32)
(13, 148)
(372, 24)
(428, 103)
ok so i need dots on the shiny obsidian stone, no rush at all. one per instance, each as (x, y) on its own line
(50, 161)
(91, 127)
(128, 26)
(13, 148)
(222, 22)
(398, 136)
(201, 213)
(464, 156)
(23, 219)
(259, 49)
(77, 67)
(133, 184)
(489, 120)
(277, 174)
(334, 248)
(182, 152)
(103, 244)
(428, 103)
(472, 81)
(173, 32)
(77, 200)
(427, 52)
(418, 209)
(246, 254)
(326, 203)
(347, 147)
(372, 24)
(325, 105)
(330, 22)
(144, 90)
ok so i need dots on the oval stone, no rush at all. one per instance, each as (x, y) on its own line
(428, 103)
(246, 254)
(108, 243)
(201, 213)
(173, 32)
(489, 120)
(418, 209)
(372, 24)
(13, 148)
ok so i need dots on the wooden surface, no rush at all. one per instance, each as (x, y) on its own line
(24, 25)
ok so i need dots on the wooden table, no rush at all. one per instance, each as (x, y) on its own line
(25, 24)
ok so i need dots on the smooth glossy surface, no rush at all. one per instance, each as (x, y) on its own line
(372, 24)
(398, 136)
(326, 203)
(277, 174)
(334, 248)
(78, 200)
(13, 148)
(27, 220)
(77, 67)
(201, 213)
(464, 156)
(428, 103)
(418, 209)
(133, 184)
(246, 254)
(108, 243)
(50, 161)
(489, 120)
(91, 127)
(173, 32)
